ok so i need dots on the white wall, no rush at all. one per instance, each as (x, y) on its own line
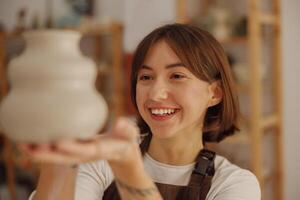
(291, 75)
(110, 9)
(9, 8)
(139, 16)
(142, 16)
(104, 9)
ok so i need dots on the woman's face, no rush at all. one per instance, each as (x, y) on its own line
(170, 99)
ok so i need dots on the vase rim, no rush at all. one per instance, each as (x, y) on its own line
(41, 32)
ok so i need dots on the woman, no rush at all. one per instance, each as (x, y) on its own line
(183, 90)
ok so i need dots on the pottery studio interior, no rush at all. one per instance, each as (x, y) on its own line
(98, 98)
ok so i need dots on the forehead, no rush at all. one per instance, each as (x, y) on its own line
(169, 66)
(161, 53)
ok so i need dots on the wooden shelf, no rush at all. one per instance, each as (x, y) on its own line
(243, 88)
(270, 121)
(267, 122)
(235, 40)
(241, 138)
(268, 19)
(267, 177)
(115, 69)
(102, 29)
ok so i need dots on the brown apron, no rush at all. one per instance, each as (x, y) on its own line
(197, 187)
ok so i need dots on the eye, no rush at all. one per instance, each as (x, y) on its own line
(177, 76)
(144, 77)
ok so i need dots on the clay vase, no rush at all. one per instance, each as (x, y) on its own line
(52, 94)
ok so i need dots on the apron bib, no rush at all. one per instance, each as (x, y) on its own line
(197, 188)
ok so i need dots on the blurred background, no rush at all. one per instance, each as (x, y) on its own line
(260, 37)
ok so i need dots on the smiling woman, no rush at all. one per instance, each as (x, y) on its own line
(184, 93)
(166, 84)
(200, 57)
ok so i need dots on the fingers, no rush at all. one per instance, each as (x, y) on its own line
(29, 149)
(102, 148)
(88, 150)
(74, 152)
(53, 157)
(126, 129)
(47, 153)
(114, 146)
(111, 146)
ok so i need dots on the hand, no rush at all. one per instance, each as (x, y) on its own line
(118, 146)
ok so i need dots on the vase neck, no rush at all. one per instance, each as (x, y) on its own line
(53, 40)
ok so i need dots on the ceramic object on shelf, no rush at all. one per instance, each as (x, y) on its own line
(242, 73)
(221, 30)
(53, 93)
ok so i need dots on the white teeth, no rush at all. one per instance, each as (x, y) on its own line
(162, 111)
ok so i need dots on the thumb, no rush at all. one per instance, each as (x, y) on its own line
(126, 129)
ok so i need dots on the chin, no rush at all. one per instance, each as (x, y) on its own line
(160, 133)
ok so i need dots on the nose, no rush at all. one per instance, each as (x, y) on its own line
(158, 91)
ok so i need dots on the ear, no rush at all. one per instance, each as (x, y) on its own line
(216, 93)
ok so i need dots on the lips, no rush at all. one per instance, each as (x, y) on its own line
(162, 114)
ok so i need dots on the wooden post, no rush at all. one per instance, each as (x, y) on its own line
(3, 81)
(181, 11)
(277, 97)
(255, 87)
(118, 98)
(10, 168)
(7, 150)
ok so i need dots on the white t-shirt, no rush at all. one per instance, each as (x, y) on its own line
(229, 182)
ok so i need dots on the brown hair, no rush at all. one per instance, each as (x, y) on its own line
(201, 53)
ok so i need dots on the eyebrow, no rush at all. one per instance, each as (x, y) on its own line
(167, 66)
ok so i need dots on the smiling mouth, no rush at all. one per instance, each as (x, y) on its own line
(163, 114)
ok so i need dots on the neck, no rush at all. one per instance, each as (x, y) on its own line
(179, 150)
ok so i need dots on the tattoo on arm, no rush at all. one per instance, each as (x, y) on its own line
(137, 191)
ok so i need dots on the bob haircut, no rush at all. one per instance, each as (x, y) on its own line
(202, 54)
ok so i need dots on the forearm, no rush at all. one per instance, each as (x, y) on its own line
(139, 187)
(56, 182)
(133, 182)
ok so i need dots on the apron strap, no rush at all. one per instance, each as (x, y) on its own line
(203, 173)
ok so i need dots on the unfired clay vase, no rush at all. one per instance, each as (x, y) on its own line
(52, 94)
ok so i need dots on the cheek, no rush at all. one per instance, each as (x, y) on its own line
(140, 98)
(196, 99)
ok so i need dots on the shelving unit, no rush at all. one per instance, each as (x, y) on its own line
(114, 69)
(258, 125)
(6, 156)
